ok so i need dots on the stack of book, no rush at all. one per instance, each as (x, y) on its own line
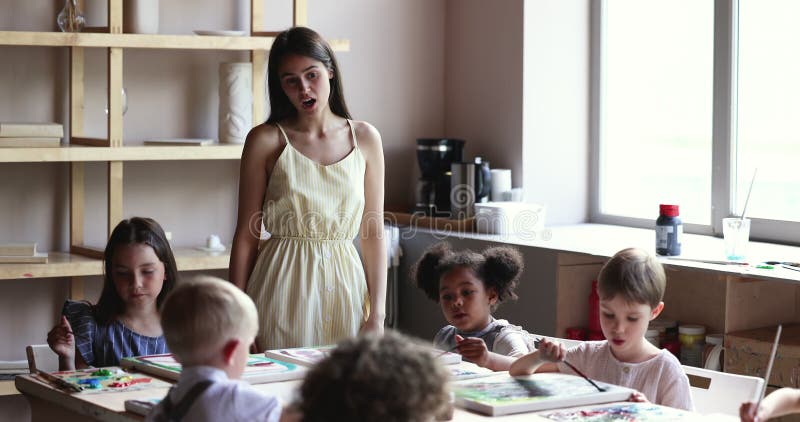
(21, 253)
(27, 135)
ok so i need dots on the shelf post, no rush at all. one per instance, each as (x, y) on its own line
(259, 60)
(300, 12)
(76, 204)
(114, 195)
(115, 97)
(256, 16)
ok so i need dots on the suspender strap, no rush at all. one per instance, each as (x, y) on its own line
(177, 412)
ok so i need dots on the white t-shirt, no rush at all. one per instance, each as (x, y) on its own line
(500, 337)
(661, 379)
(223, 400)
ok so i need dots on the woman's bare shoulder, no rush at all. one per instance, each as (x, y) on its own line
(367, 135)
(263, 139)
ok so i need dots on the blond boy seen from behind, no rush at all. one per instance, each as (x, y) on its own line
(209, 326)
(631, 287)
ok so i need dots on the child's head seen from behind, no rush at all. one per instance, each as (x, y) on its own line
(375, 378)
(631, 288)
(468, 285)
(209, 321)
(139, 268)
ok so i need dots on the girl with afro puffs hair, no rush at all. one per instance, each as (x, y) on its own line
(469, 286)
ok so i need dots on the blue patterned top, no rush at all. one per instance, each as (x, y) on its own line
(105, 345)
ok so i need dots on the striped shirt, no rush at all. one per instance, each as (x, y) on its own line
(104, 345)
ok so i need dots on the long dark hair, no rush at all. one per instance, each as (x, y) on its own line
(135, 230)
(306, 42)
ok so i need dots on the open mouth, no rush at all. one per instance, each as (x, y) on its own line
(309, 102)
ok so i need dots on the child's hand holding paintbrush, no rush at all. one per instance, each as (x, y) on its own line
(62, 340)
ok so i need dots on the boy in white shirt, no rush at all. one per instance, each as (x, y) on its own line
(631, 287)
(209, 326)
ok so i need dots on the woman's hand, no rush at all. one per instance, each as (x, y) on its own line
(473, 349)
(62, 341)
(373, 325)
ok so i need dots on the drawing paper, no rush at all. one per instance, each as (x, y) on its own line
(620, 412)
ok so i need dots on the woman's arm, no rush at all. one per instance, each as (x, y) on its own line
(261, 150)
(373, 244)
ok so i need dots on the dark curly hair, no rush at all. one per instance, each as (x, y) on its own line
(375, 378)
(499, 268)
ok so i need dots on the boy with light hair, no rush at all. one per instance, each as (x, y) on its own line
(209, 326)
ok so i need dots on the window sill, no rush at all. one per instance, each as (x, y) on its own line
(602, 240)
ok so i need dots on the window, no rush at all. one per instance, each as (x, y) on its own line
(686, 108)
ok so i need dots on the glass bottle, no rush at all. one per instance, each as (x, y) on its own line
(70, 19)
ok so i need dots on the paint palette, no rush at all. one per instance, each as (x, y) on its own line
(95, 380)
(503, 394)
(622, 412)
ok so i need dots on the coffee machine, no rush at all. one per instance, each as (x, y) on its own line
(434, 156)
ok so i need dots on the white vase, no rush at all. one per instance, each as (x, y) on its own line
(140, 16)
(235, 102)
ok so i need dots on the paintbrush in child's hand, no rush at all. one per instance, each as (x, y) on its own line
(450, 350)
(577, 371)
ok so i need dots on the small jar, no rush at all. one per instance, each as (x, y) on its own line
(692, 339)
(669, 231)
(652, 336)
(667, 329)
(713, 351)
(576, 333)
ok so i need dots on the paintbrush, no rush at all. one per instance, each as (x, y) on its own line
(769, 364)
(577, 371)
(58, 382)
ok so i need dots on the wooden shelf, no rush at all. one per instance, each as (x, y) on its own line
(132, 153)
(62, 264)
(182, 42)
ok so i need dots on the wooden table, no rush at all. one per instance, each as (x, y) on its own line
(48, 403)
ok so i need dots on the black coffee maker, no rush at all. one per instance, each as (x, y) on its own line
(434, 156)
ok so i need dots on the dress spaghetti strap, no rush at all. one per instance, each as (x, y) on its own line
(353, 132)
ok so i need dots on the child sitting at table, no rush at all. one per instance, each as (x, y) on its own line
(209, 325)
(631, 287)
(373, 378)
(139, 272)
(469, 286)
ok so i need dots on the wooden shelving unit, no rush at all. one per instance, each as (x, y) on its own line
(131, 153)
(63, 264)
(81, 260)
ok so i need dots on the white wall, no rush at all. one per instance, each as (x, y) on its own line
(392, 78)
(483, 80)
(555, 91)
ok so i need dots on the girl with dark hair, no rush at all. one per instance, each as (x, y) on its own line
(139, 272)
(469, 286)
(314, 179)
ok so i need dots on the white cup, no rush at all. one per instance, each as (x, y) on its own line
(213, 242)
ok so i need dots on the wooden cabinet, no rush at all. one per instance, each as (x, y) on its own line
(82, 260)
(720, 301)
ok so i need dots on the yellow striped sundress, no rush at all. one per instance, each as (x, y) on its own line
(308, 282)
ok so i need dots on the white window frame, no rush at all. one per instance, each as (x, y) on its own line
(723, 195)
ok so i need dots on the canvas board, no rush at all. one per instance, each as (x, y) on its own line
(103, 380)
(503, 394)
(259, 369)
(309, 356)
